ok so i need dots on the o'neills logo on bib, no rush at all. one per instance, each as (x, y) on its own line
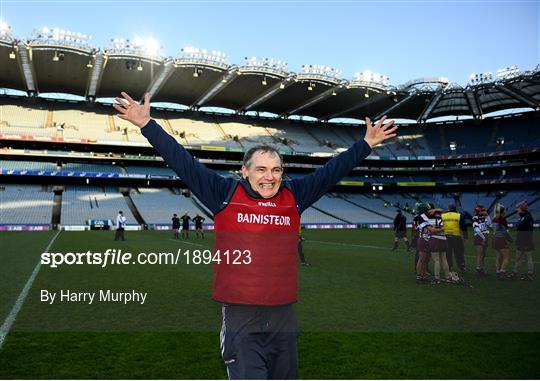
(263, 219)
(268, 203)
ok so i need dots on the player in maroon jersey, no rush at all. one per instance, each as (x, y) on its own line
(500, 241)
(437, 244)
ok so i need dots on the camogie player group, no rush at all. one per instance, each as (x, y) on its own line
(438, 237)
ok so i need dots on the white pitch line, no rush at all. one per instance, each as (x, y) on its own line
(375, 247)
(10, 319)
(189, 243)
(349, 244)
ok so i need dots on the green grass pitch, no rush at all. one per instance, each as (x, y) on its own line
(360, 311)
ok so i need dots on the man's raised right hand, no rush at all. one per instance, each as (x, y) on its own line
(138, 114)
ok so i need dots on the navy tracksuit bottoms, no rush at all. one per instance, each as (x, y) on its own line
(259, 342)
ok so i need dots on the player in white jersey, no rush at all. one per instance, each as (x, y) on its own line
(481, 224)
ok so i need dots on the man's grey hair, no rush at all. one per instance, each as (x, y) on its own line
(260, 148)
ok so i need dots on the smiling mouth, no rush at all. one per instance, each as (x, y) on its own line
(266, 186)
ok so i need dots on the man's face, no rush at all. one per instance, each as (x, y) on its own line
(264, 173)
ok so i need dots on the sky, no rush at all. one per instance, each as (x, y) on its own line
(404, 40)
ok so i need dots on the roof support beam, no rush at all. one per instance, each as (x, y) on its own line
(160, 79)
(27, 68)
(94, 79)
(429, 108)
(395, 106)
(278, 87)
(221, 83)
(519, 95)
(533, 81)
(474, 103)
(310, 102)
(341, 112)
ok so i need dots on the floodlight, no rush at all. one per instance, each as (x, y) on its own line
(480, 78)
(202, 56)
(148, 46)
(508, 72)
(370, 77)
(63, 37)
(4, 26)
(265, 63)
(321, 71)
(12, 55)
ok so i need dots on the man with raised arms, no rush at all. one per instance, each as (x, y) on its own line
(258, 215)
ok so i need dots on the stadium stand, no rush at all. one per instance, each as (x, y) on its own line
(80, 203)
(518, 132)
(237, 132)
(158, 171)
(25, 204)
(247, 135)
(353, 213)
(21, 114)
(42, 118)
(157, 205)
(80, 124)
(469, 200)
(27, 165)
(200, 131)
(440, 200)
(314, 216)
(472, 137)
(325, 135)
(29, 131)
(86, 167)
(224, 173)
(512, 198)
(410, 143)
(127, 131)
(298, 137)
(21, 118)
(373, 204)
(401, 200)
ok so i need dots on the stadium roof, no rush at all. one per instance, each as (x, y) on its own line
(196, 78)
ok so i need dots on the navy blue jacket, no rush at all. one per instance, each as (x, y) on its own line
(215, 191)
(526, 222)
